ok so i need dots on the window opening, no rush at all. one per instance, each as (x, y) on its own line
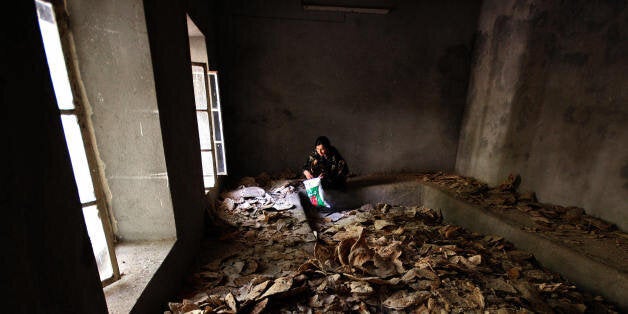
(204, 127)
(219, 141)
(79, 147)
(208, 111)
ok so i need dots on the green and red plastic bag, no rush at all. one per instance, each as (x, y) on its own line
(315, 192)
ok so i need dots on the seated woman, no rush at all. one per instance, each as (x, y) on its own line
(327, 163)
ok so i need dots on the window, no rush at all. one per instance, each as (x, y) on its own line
(209, 119)
(219, 141)
(208, 111)
(76, 130)
(204, 127)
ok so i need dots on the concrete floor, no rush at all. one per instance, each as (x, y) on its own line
(138, 261)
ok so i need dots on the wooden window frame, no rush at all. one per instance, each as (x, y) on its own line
(208, 110)
(82, 113)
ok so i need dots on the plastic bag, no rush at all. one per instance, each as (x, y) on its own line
(315, 192)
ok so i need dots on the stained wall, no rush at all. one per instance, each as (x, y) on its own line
(548, 99)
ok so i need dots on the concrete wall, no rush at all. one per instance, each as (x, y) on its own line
(548, 100)
(134, 59)
(388, 90)
(47, 261)
(170, 56)
(198, 50)
(117, 73)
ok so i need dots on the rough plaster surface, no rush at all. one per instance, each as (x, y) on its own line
(116, 70)
(548, 99)
(388, 90)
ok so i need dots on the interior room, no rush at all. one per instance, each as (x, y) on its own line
(156, 156)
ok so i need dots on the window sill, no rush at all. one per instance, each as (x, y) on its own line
(138, 262)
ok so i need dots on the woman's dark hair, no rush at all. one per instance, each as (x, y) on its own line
(322, 140)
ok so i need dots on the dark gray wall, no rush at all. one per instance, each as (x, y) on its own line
(388, 90)
(47, 260)
(549, 99)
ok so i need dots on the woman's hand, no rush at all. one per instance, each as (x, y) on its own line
(308, 174)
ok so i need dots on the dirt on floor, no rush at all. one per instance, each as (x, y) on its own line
(275, 257)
